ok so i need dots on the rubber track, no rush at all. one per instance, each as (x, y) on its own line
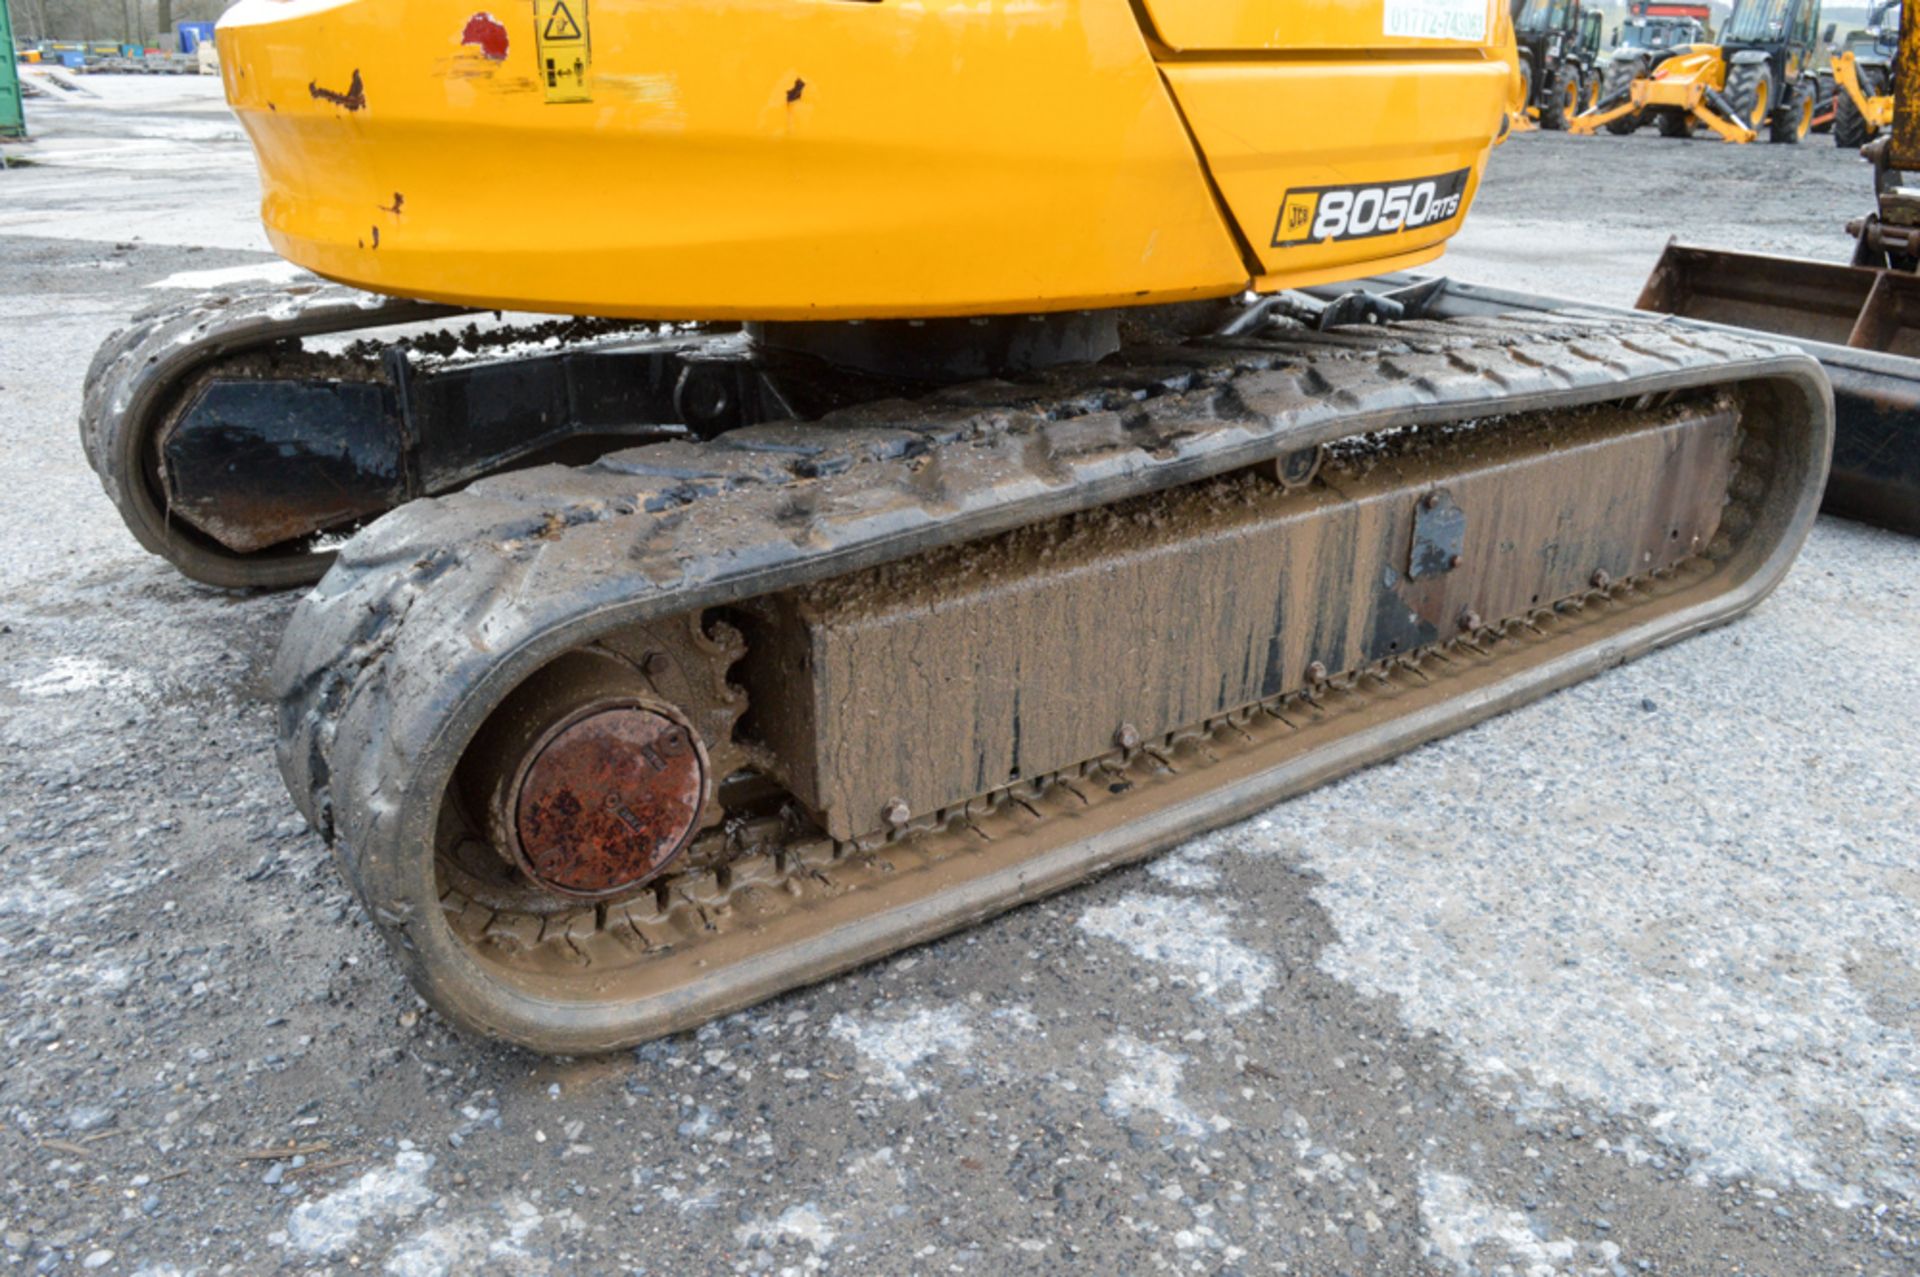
(436, 610)
(136, 373)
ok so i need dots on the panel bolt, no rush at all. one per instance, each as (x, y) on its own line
(1317, 672)
(1128, 737)
(1453, 562)
(1431, 500)
(897, 813)
(1601, 579)
(1469, 620)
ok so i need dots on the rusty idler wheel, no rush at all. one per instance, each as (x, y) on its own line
(605, 798)
(594, 777)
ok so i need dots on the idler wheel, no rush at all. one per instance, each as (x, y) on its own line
(606, 798)
(587, 784)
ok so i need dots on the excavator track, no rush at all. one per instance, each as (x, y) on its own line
(262, 489)
(139, 373)
(727, 585)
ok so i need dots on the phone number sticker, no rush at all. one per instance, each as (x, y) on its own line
(1316, 214)
(1436, 19)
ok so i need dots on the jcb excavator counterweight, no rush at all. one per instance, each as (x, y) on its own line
(911, 516)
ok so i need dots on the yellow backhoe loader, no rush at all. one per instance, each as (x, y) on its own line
(961, 454)
(1863, 74)
(1757, 80)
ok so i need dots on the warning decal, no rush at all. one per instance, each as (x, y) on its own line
(560, 24)
(564, 49)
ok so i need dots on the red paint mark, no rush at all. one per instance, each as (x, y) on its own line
(485, 30)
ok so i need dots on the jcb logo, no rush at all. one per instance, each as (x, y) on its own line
(1296, 215)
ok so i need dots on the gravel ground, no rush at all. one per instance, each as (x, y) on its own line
(1624, 982)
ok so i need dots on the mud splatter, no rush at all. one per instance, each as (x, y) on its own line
(354, 99)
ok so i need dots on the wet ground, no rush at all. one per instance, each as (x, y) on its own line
(1624, 982)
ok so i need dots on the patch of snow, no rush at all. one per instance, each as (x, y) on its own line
(804, 1224)
(1150, 1084)
(329, 1225)
(1192, 937)
(493, 1240)
(252, 273)
(893, 1049)
(66, 675)
(1477, 1236)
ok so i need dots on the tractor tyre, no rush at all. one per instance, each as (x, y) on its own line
(1620, 76)
(1794, 119)
(1563, 99)
(1849, 126)
(1750, 89)
(1675, 124)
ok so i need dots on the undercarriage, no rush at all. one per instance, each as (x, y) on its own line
(610, 748)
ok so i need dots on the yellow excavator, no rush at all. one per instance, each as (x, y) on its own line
(933, 453)
(1756, 79)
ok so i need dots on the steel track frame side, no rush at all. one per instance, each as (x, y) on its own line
(433, 614)
(138, 371)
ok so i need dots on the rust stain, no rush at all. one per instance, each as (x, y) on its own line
(394, 208)
(608, 801)
(376, 237)
(484, 30)
(354, 99)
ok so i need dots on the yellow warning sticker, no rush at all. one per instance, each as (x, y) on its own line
(1296, 218)
(565, 52)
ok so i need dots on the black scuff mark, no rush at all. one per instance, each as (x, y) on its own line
(799, 87)
(354, 99)
(394, 208)
(376, 237)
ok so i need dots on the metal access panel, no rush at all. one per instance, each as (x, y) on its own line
(13, 116)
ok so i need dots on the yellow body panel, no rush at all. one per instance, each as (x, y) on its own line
(823, 159)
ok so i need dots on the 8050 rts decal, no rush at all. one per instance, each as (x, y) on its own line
(1315, 214)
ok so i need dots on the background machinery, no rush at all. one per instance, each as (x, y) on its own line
(1863, 77)
(1559, 43)
(1758, 80)
(1861, 321)
(1648, 35)
(908, 514)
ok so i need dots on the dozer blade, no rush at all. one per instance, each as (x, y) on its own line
(609, 751)
(1862, 324)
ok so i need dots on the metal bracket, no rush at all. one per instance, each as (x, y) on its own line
(1439, 534)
